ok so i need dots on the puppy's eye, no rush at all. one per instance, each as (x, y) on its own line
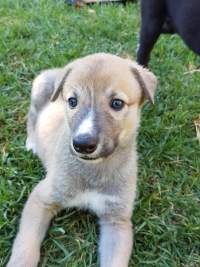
(117, 104)
(72, 101)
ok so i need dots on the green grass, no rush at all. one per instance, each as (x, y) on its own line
(40, 34)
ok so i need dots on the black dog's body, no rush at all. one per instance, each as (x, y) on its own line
(180, 16)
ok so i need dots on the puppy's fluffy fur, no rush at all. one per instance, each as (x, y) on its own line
(103, 181)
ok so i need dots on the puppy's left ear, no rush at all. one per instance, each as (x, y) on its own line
(147, 81)
(60, 83)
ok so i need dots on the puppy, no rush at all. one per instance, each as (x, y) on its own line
(82, 123)
(168, 16)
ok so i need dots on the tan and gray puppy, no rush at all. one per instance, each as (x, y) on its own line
(82, 124)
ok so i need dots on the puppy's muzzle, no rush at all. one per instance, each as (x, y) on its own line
(85, 143)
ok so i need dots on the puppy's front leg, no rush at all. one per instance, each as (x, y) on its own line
(36, 216)
(116, 240)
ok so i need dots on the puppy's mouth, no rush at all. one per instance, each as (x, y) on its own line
(90, 159)
(86, 158)
(100, 154)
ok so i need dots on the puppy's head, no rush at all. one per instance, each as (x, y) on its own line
(103, 94)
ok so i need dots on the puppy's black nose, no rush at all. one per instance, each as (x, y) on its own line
(85, 144)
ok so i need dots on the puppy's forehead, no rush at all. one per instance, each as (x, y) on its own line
(104, 73)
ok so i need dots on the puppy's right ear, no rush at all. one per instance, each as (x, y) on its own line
(59, 85)
(147, 81)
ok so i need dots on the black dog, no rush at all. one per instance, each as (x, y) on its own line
(168, 16)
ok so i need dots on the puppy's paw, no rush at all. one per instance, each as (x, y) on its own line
(24, 259)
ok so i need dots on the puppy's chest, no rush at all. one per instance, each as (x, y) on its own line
(93, 200)
(99, 198)
(93, 190)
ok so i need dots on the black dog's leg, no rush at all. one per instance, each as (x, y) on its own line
(188, 24)
(153, 16)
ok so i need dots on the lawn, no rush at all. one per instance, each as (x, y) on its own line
(42, 34)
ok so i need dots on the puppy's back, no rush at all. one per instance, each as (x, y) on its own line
(42, 90)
